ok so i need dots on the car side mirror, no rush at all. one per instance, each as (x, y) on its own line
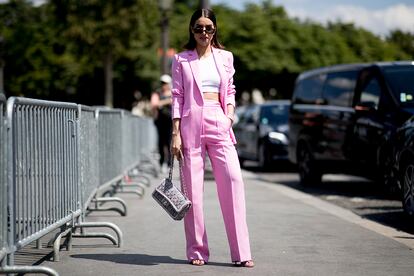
(366, 106)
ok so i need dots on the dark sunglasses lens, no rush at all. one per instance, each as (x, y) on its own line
(200, 30)
(210, 30)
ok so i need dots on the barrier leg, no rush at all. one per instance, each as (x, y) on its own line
(28, 269)
(135, 176)
(68, 241)
(119, 188)
(56, 248)
(98, 206)
(56, 242)
(39, 244)
(112, 226)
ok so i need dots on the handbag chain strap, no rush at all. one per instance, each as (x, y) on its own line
(183, 187)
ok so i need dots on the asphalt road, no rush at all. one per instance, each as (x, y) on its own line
(363, 197)
(293, 231)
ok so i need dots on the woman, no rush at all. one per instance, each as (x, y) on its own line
(161, 108)
(203, 105)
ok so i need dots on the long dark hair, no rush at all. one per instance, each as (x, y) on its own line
(192, 43)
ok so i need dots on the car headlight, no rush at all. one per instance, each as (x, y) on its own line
(277, 137)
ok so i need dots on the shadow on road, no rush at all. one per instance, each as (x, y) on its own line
(138, 259)
(134, 259)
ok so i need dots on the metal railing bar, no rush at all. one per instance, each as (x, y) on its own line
(112, 226)
(22, 243)
(100, 200)
(62, 156)
(28, 269)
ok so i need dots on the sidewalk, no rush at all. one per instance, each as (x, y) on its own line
(289, 236)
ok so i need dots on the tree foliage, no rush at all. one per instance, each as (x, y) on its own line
(61, 49)
(106, 32)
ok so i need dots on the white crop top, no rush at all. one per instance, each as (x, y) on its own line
(210, 78)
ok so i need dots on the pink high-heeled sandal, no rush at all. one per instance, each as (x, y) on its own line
(248, 264)
(197, 262)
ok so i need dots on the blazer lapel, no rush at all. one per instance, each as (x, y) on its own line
(220, 67)
(195, 68)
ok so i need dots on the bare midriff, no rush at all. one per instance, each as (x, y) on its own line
(211, 96)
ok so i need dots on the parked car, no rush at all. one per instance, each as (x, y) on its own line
(404, 164)
(239, 112)
(345, 119)
(261, 131)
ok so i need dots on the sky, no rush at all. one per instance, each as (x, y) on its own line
(378, 16)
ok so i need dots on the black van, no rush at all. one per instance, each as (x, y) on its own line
(344, 119)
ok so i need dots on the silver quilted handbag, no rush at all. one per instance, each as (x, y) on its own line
(174, 201)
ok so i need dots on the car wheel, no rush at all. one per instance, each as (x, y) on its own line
(264, 158)
(308, 173)
(407, 179)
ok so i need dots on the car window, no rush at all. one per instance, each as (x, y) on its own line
(371, 93)
(249, 115)
(401, 83)
(274, 114)
(339, 88)
(240, 114)
(254, 114)
(309, 90)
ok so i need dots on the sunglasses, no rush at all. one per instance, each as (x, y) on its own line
(199, 29)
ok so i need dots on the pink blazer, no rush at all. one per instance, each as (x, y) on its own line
(187, 98)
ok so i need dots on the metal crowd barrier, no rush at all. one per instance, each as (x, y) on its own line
(119, 152)
(148, 146)
(3, 187)
(130, 142)
(89, 150)
(132, 145)
(110, 145)
(141, 131)
(55, 158)
(42, 173)
(89, 177)
(89, 161)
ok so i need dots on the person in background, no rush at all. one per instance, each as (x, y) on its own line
(141, 106)
(161, 110)
(203, 102)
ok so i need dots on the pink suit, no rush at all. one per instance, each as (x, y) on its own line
(205, 128)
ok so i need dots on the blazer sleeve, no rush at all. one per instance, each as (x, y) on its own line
(231, 89)
(177, 88)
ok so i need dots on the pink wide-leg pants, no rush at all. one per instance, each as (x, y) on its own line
(215, 140)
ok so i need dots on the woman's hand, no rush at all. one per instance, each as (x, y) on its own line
(176, 146)
(230, 113)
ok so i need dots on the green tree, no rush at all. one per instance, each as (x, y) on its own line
(364, 46)
(34, 63)
(107, 31)
(404, 40)
(68, 49)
